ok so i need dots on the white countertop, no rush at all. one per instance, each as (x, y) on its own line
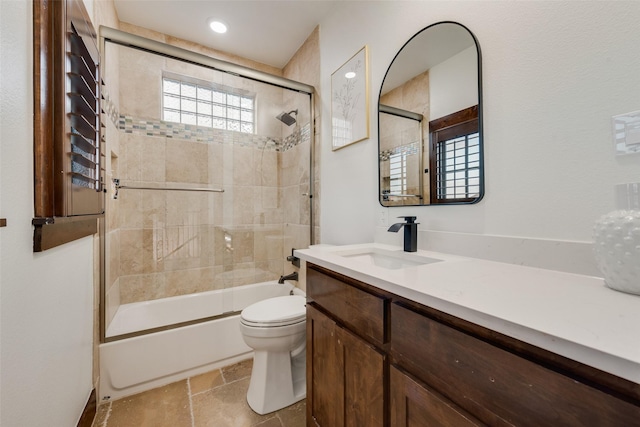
(569, 314)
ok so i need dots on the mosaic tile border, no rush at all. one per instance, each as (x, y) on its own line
(302, 134)
(129, 124)
(159, 128)
(109, 107)
(408, 149)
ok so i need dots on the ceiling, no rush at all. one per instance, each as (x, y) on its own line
(266, 31)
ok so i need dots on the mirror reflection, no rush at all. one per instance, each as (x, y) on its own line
(429, 117)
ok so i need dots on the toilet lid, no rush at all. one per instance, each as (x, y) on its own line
(278, 311)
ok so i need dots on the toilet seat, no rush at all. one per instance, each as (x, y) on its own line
(274, 312)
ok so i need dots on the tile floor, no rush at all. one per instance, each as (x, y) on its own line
(213, 399)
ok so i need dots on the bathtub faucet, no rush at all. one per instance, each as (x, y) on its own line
(292, 276)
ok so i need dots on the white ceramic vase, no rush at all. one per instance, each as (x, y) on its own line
(616, 238)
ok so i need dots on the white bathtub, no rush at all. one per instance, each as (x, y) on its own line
(144, 362)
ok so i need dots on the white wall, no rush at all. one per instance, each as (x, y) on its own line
(554, 73)
(453, 84)
(46, 299)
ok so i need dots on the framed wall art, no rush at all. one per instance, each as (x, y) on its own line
(350, 101)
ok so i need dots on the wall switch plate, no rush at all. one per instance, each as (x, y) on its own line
(626, 133)
(383, 218)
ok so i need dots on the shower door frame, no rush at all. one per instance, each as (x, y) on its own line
(108, 34)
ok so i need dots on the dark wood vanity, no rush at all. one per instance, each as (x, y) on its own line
(377, 359)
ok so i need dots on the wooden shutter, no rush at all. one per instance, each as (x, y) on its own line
(68, 193)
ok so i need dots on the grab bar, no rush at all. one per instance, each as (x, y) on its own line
(116, 182)
(401, 195)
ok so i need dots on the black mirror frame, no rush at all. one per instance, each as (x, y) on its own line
(480, 118)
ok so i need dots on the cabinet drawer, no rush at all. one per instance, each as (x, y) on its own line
(362, 311)
(495, 385)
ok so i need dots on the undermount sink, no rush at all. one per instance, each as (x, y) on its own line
(392, 260)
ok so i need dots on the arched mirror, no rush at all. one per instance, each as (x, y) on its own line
(430, 120)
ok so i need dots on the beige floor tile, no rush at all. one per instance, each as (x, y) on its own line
(238, 371)
(101, 415)
(294, 415)
(166, 406)
(206, 381)
(271, 422)
(208, 407)
(214, 402)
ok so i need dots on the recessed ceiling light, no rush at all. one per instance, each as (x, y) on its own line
(217, 26)
(350, 75)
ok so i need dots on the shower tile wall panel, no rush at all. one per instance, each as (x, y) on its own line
(140, 76)
(186, 162)
(304, 67)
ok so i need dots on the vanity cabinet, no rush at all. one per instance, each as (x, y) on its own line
(345, 367)
(377, 359)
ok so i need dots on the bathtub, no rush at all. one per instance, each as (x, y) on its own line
(132, 365)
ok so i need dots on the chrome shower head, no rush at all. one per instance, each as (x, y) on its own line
(286, 118)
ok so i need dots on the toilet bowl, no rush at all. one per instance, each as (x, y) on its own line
(276, 330)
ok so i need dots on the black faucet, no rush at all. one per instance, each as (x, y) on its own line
(292, 276)
(410, 232)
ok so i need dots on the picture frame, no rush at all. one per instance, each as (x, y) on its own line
(350, 101)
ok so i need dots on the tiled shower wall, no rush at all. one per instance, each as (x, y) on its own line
(166, 243)
(304, 67)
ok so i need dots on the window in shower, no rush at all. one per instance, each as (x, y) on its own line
(197, 102)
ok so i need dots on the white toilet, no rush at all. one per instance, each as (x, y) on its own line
(276, 329)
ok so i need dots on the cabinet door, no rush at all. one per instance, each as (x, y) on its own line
(363, 382)
(413, 405)
(325, 372)
(345, 384)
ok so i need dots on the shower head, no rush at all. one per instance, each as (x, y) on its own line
(286, 118)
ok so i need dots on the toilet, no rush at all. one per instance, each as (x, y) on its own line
(276, 329)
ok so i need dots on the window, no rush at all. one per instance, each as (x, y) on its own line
(398, 173)
(455, 159)
(458, 173)
(201, 103)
